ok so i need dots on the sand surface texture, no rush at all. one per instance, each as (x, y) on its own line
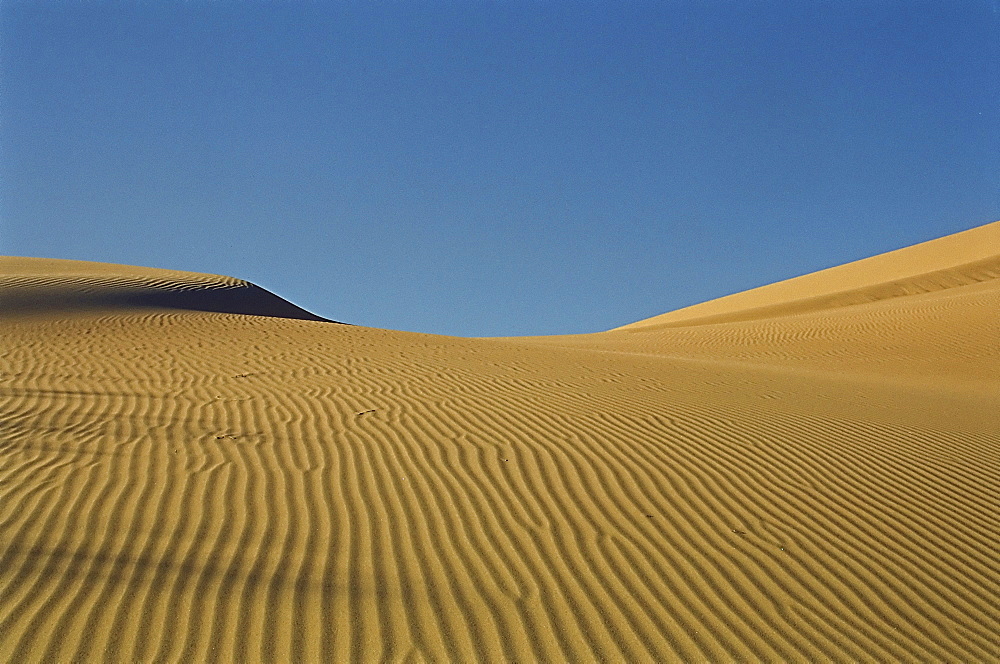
(194, 469)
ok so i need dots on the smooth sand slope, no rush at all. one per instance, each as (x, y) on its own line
(809, 473)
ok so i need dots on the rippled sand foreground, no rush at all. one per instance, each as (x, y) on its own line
(194, 469)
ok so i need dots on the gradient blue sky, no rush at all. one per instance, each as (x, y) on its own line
(495, 167)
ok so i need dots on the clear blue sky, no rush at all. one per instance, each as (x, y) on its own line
(495, 167)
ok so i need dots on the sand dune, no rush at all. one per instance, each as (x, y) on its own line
(956, 260)
(48, 285)
(807, 483)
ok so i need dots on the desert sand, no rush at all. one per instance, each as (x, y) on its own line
(193, 469)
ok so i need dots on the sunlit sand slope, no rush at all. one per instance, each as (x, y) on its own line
(195, 485)
(956, 260)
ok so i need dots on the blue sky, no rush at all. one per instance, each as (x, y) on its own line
(495, 167)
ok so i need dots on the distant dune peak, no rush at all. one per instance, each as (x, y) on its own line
(43, 284)
(960, 259)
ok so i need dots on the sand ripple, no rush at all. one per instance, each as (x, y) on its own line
(180, 484)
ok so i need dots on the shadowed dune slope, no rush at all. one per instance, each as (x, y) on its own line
(179, 484)
(43, 285)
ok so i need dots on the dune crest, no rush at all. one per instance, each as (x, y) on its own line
(53, 285)
(817, 484)
(964, 258)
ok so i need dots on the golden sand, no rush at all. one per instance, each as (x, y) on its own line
(194, 469)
